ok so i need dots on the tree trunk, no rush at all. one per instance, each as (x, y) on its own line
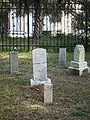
(38, 20)
(3, 23)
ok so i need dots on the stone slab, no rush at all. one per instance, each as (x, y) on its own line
(62, 56)
(14, 67)
(48, 93)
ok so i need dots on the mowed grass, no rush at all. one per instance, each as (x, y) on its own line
(71, 93)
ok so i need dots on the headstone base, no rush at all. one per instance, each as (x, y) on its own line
(80, 66)
(37, 82)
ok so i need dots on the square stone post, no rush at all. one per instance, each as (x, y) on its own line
(62, 57)
(14, 68)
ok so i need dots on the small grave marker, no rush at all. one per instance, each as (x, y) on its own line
(14, 68)
(62, 57)
(48, 93)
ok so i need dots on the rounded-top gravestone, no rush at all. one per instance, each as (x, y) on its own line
(79, 62)
(39, 55)
(79, 53)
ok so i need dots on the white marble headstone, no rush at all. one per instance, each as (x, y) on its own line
(14, 62)
(39, 66)
(62, 56)
(79, 53)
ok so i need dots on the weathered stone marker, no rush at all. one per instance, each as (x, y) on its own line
(62, 57)
(48, 93)
(14, 68)
(39, 67)
(79, 62)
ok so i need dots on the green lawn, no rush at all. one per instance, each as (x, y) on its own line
(71, 93)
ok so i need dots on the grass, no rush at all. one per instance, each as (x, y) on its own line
(71, 92)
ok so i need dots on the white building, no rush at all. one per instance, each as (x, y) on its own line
(19, 23)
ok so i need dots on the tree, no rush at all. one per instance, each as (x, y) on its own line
(52, 8)
(37, 6)
(4, 9)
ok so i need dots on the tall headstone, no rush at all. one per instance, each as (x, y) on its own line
(62, 57)
(79, 62)
(39, 67)
(14, 68)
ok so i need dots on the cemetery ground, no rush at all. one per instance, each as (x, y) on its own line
(20, 101)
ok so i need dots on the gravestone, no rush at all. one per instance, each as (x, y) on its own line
(62, 57)
(79, 53)
(79, 62)
(48, 93)
(39, 67)
(14, 68)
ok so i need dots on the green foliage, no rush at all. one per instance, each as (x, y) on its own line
(52, 8)
(4, 4)
(51, 43)
(46, 33)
